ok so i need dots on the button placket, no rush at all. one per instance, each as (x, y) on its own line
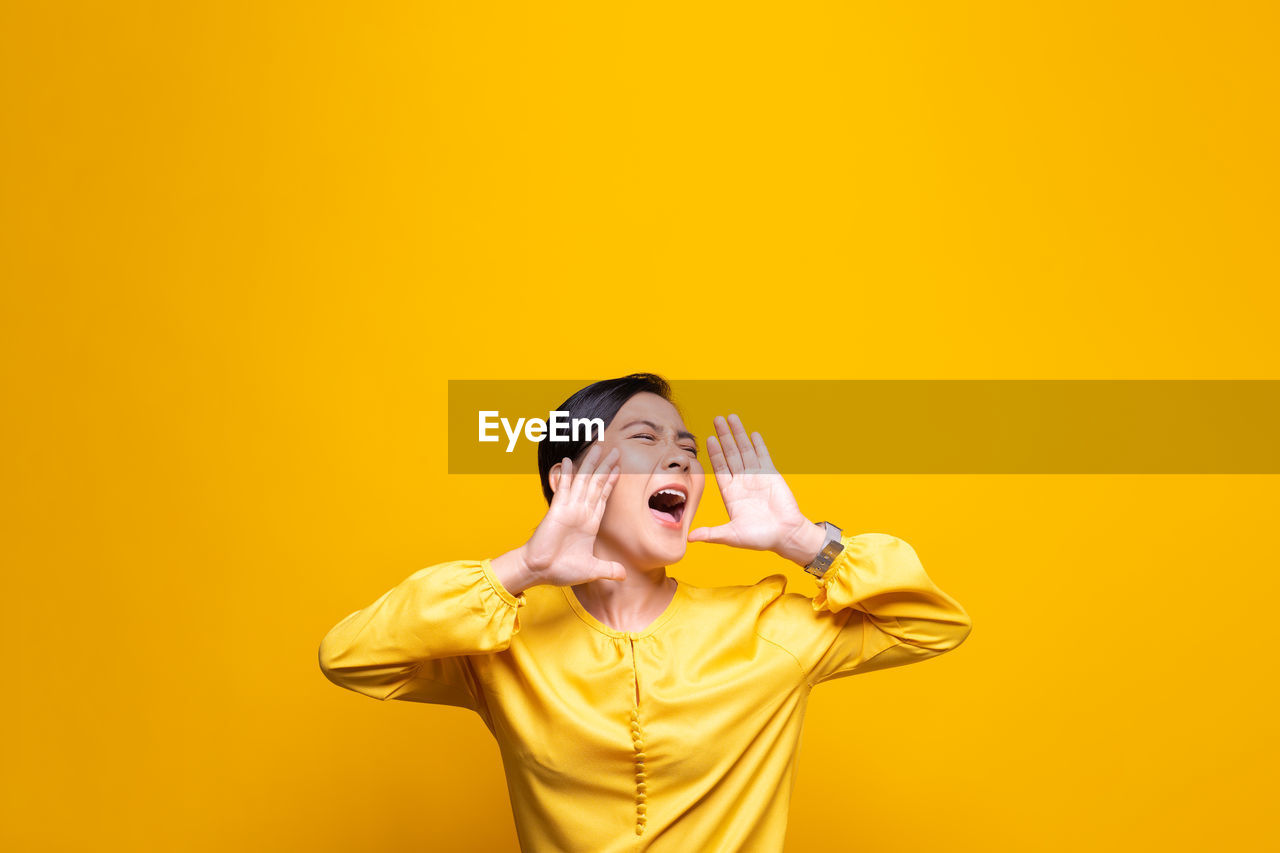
(637, 744)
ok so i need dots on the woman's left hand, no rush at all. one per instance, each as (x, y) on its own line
(763, 514)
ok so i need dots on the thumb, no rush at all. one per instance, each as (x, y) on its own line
(611, 571)
(720, 535)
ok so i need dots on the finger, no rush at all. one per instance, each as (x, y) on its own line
(723, 534)
(592, 467)
(604, 495)
(566, 480)
(601, 476)
(583, 478)
(582, 474)
(597, 509)
(729, 445)
(718, 463)
(749, 460)
(762, 452)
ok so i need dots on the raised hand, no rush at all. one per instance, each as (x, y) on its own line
(561, 550)
(763, 514)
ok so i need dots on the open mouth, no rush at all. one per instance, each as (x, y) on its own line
(667, 505)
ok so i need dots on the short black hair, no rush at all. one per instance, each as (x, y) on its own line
(600, 400)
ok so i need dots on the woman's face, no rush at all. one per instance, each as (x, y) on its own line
(647, 518)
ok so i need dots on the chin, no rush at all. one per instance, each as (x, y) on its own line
(646, 549)
(649, 556)
(670, 555)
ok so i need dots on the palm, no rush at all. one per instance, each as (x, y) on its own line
(762, 510)
(566, 545)
(562, 547)
(755, 502)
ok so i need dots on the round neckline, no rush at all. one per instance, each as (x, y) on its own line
(657, 623)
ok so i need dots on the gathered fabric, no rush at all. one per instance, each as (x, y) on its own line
(679, 737)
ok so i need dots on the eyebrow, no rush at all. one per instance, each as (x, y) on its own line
(684, 433)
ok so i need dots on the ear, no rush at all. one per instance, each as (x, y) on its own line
(553, 476)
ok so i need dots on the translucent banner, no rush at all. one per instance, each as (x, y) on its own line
(919, 426)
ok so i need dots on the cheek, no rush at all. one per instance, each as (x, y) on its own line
(699, 487)
(634, 461)
(626, 494)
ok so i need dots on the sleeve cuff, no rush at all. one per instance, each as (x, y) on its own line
(835, 589)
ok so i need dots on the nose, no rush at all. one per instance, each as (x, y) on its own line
(677, 459)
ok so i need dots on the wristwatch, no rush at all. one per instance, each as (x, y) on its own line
(831, 549)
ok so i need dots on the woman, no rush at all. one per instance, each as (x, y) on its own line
(634, 710)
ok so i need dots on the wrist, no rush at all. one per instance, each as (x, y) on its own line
(803, 543)
(513, 571)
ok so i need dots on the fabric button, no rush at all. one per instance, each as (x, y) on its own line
(640, 798)
(641, 787)
(639, 829)
(639, 745)
(640, 775)
(641, 809)
(640, 757)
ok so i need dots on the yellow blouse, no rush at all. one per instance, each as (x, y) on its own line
(681, 737)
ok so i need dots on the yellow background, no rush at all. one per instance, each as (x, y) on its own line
(244, 245)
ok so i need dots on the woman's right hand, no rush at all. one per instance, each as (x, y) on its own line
(561, 551)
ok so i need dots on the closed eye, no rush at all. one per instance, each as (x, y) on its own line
(692, 450)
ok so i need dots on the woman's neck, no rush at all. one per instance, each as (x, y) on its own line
(631, 604)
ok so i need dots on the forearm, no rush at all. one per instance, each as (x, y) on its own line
(442, 611)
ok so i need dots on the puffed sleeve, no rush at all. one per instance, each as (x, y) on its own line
(874, 608)
(414, 642)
